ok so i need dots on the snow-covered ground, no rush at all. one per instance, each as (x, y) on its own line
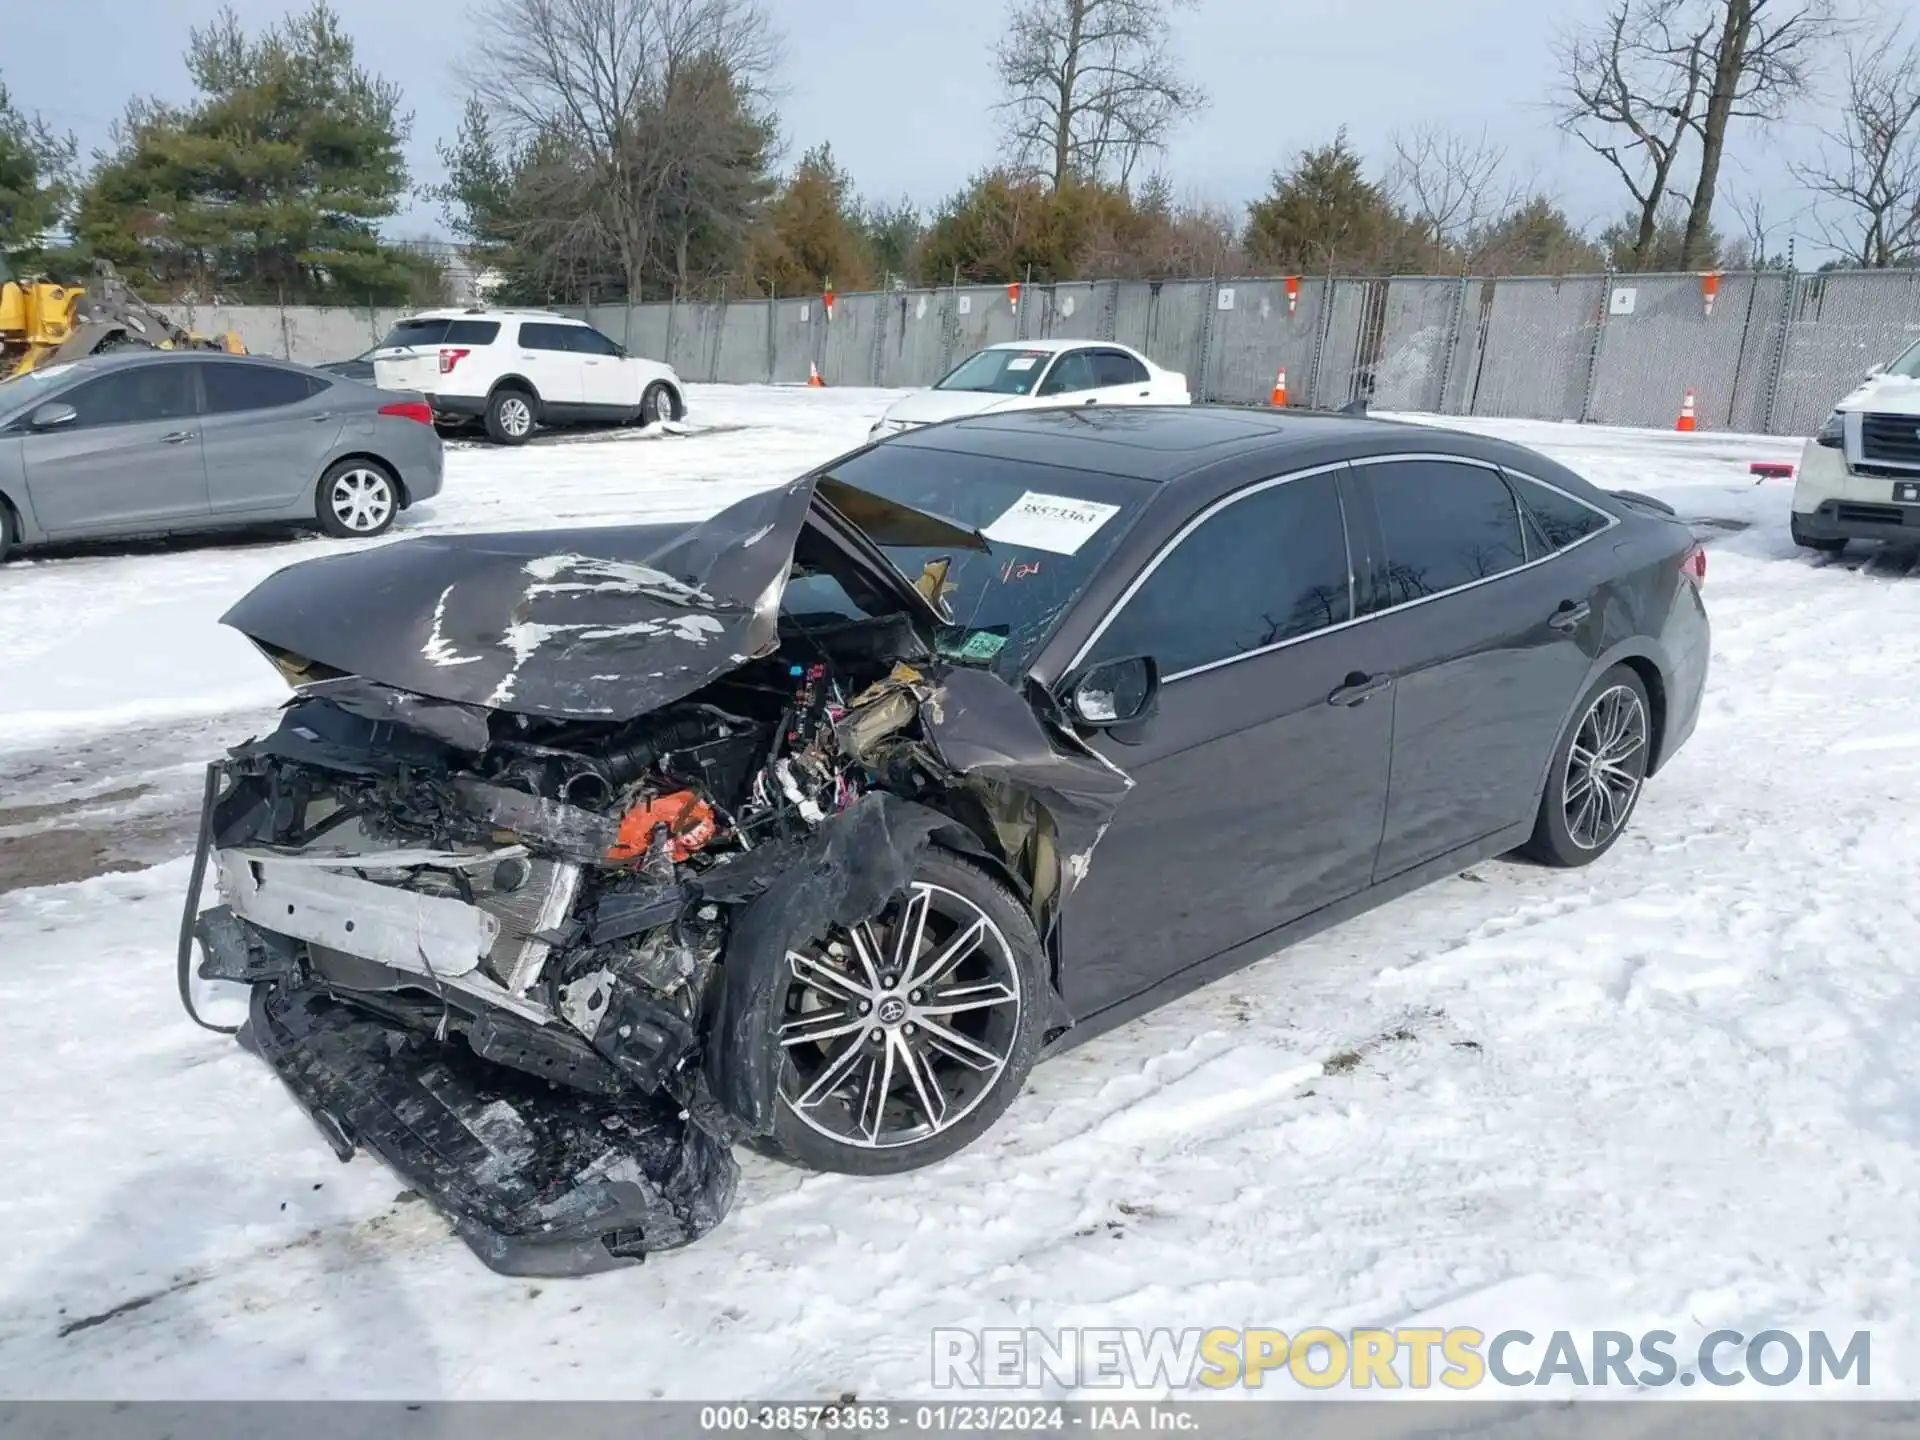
(1678, 1090)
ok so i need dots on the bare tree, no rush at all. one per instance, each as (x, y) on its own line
(1448, 183)
(1756, 62)
(1631, 90)
(1090, 86)
(1870, 163)
(632, 108)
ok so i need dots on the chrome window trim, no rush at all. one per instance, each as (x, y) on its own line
(1354, 619)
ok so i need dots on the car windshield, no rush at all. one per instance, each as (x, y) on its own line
(997, 372)
(1907, 367)
(23, 390)
(1048, 529)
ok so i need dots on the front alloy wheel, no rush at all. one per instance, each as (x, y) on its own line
(905, 1037)
(358, 500)
(1597, 773)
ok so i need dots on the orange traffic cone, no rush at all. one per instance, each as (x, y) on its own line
(1279, 396)
(813, 377)
(1685, 422)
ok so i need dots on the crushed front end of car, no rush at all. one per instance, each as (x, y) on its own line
(512, 880)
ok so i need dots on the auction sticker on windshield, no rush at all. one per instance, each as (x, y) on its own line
(1058, 524)
(1023, 362)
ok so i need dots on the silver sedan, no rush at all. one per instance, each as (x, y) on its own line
(152, 442)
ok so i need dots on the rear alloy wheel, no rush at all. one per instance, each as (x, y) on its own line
(1827, 544)
(905, 1038)
(357, 500)
(1597, 773)
(509, 417)
(656, 405)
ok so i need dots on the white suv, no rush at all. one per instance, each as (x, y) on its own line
(1859, 477)
(515, 369)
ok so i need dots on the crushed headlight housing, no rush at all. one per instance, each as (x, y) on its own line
(1832, 433)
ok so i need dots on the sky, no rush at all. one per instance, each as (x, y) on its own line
(902, 89)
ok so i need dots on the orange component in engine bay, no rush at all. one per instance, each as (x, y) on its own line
(688, 818)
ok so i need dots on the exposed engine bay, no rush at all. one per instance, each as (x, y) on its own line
(525, 956)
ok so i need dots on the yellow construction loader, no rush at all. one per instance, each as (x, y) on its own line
(46, 324)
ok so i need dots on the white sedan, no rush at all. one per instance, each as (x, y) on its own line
(1036, 374)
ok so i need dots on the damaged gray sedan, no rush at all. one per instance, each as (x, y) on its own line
(579, 857)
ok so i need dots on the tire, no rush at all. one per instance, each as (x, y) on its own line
(1580, 816)
(357, 499)
(511, 416)
(999, 983)
(1826, 544)
(9, 534)
(656, 404)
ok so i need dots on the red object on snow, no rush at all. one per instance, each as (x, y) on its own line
(1771, 469)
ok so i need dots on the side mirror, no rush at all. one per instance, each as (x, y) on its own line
(52, 415)
(1115, 692)
(1875, 373)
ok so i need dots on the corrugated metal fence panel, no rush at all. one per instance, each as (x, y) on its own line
(1415, 340)
(1340, 374)
(1649, 358)
(795, 323)
(850, 345)
(983, 315)
(1537, 347)
(1840, 326)
(690, 344)
(646, 331)
(308, 334)
(913, 349)
(1255, 338)
(609, 320)
(1178, 337)
(741, 358)
(1076, 311)
(1759, 353)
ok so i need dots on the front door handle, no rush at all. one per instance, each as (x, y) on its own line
(1570, 614)
(1091, 400)
(177, 437)
(1358, 689)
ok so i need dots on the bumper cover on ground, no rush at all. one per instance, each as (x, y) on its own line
(538, 1179)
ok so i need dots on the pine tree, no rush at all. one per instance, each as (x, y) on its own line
(36, 175)
(271, 184)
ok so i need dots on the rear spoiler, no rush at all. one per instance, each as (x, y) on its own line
(1644, 502)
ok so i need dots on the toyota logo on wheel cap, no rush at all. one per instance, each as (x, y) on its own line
(892, 1010)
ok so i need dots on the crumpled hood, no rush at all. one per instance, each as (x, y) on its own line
(1886, 394)
(930, 407)
(595, 624)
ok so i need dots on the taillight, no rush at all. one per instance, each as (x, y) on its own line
(410, 410)
(451, 358)
(1693, 564)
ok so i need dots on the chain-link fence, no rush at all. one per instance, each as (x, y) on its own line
(1760, 352)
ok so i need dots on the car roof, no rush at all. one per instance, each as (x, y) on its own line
(498, 314)
(120, 359)
(1158, 443)
(1055, 345)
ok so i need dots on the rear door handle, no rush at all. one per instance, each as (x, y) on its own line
(1358, 689)
(177, 437)
(1570, 614)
